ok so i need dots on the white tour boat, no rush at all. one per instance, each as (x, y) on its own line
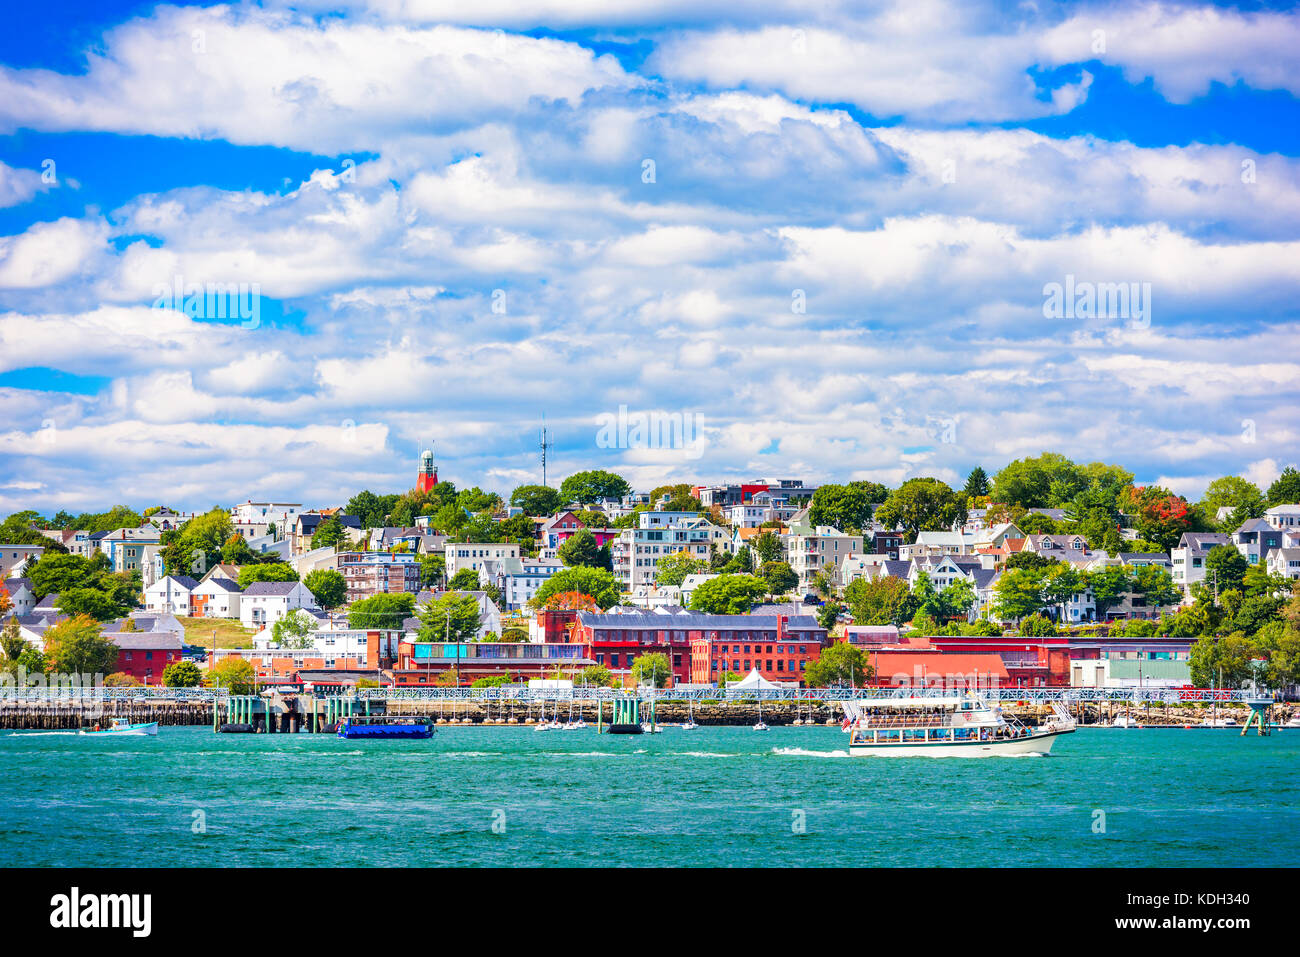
(955, 726)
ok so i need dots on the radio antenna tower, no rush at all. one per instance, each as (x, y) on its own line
(545, 445)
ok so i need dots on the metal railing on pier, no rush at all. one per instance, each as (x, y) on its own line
(12, 695)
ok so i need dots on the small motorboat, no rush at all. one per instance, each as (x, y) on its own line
(1220, 722)
(689, 725)
(119, 727)
(761, 726)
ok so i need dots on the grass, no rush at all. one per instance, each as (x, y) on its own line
(230, 633)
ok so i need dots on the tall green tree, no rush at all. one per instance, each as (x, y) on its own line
(728, 595)
(597, 583)
(886, 600)
(385, 610)
(536, 499)
(845, 506)
(76, 646)
(580, 548)
(449, 617)
(840, 664)
(328, 587)
(1286, 489)
(922, 504)
(673, 569)
(587, 487)
(652, 668)
(268, 572)
(977, 483)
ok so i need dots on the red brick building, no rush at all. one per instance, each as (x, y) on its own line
(144, 655)
(701, 647)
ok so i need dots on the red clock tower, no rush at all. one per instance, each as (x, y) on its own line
(428, 476)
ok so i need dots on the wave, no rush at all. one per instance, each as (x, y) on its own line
(805, 753)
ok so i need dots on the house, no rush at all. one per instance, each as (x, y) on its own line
(485, 558)
(303, 526)
(519, 579)
(125, 547)
(636, 551)
(1188, 558)
(937, 543)
(171, 594)
(1285, 517)
(1256, 537)
(145, 655)
(1284, 561)
(217, 596)
(20, 595)
(692, 582)
(14, 559)
(264, 603)
(265, 512)
(885, 542)
(810, 550)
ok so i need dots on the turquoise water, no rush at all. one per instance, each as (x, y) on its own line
(715, 796)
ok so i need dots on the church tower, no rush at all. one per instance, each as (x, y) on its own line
(428, 476)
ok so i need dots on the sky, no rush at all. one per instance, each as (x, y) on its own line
(823, 240)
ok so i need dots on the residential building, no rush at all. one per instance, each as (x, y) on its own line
(1256, 537)
(264, 603)
(811, 550)
(636, 551)
(372, 573)
(1285, 517)
(217, 596)
(14, 559)
(1284, 561)
(1188, 558)
(170, 595)
(21, 595)
(522, 577)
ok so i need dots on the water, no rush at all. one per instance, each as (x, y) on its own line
(715, 796)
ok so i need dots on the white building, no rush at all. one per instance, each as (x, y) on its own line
(475, 555)
(14, 559)
(170, 595)
(264, 603)
(1189, 557)
(216, 597)
(811, 550)
(636, 551)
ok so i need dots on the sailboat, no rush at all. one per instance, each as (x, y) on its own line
(690, 724)
(761, 726)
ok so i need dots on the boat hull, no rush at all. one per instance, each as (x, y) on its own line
(129, 730)
(385, 731)
(1010, 747)
(625, 729)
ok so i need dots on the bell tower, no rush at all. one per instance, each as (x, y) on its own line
(428, 476)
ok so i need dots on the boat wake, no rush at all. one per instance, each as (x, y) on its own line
(805, 753)
(37, 734)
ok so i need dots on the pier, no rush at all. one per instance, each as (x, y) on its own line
(273, 712)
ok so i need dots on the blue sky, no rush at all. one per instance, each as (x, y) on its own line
(442, 218)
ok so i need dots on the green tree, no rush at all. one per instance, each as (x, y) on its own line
(235, 674)
(465, 579)
(385, 610)
(328, 587)
(598, 583)
(673, 569)
(1286, 489)
(977, 483)
(328, 533)
(590, 486)
(728, 595)
(840, 663)
(433, 569)
(536, 499)
(652, 668)
(1028, 482)
(829, 615)
(449, 617)
(1019, 594)
(268, 572)
(767, 547)
(845, 506)
(922, 504)
(780, 577)
(596, 676)
(1037, 626)
(293, 630)
(886, 600)
(91, 602)
(1109, 585)
(1235, 492)
(75, 646)
(580, 549)
(55, 574)
(182, 674)
(1225, 567)
(1222, 662)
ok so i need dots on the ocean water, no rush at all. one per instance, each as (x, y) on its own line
(500, 796)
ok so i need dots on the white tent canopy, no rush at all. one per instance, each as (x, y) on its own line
(754, 682)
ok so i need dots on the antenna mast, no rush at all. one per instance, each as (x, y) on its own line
(545, 445)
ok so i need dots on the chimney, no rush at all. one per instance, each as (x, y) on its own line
(780, 627)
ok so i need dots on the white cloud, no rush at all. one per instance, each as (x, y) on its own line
(251, 76)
